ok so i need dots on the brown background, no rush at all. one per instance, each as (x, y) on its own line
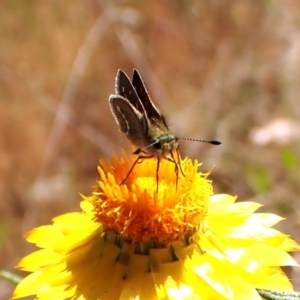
(217, 69)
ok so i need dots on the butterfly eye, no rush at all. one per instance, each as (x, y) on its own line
(157, 145)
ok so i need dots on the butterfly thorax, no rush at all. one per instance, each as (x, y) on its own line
(160, 143)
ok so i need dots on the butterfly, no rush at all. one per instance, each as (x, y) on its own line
(144, 125)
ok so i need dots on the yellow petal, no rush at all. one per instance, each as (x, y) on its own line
(264, 219)
(289, 245)
(38, 260)
(74, 222)
(28, 286)
(276, 281)
(44, 236)
(221, 276)
(270, 256)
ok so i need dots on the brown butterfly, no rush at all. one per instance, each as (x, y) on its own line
(144, 125)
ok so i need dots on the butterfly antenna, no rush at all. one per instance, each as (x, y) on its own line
(202, 141)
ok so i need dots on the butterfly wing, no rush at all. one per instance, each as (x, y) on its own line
(129, 119)
(152, 112)
(124, 88)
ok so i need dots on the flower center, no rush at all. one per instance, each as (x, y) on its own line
(136, 211)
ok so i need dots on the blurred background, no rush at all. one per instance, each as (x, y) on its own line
(226, 70)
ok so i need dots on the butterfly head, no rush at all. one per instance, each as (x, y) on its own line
(161, 147)
(166, 144)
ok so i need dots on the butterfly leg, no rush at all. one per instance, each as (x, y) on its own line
(172, 160)
(157, 176)
(179, 162)
(176, 172)
(176, 167)
(157, 166)
(133, 165)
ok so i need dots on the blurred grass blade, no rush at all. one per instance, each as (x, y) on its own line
(278, 295)
(9, 276)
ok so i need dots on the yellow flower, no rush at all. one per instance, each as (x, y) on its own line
(131, 242)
